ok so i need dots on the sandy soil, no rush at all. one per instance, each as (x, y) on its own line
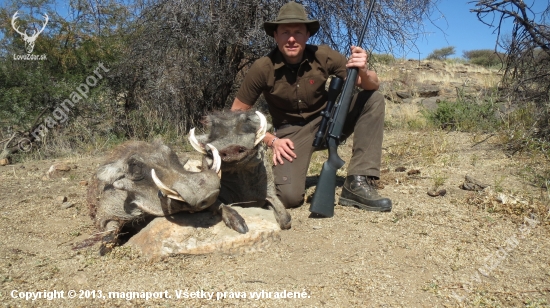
(461, 249)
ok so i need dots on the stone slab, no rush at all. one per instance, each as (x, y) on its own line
(205, 233)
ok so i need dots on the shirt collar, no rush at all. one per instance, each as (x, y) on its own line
(277, 57)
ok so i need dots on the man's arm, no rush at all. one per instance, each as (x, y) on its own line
(239, 105)
(367, 80)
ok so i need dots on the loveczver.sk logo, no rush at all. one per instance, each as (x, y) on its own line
(28, 39)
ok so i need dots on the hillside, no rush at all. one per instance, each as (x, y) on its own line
(463, 248)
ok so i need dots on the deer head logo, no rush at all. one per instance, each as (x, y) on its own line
(29, 40)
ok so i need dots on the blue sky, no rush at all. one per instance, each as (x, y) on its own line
(463, 30)
(459, 28)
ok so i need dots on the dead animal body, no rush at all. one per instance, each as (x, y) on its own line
(246, 172)
(140, 181)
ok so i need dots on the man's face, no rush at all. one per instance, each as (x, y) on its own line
(291, 40)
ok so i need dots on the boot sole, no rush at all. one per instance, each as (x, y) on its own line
(348, 202)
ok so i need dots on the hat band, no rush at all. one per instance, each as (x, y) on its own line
(293, 17)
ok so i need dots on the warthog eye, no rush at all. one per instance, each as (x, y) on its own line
(135, 170)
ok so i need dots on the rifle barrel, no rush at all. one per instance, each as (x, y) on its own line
(323, 198)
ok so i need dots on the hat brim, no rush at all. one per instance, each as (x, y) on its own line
(312, 25)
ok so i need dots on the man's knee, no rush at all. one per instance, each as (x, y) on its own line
(290, 198)
(371, 99)
(378, 99)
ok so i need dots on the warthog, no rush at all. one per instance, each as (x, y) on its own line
(143, 180)
(246, 172)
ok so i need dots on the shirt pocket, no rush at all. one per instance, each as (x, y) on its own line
(316, 95)
(283, 95)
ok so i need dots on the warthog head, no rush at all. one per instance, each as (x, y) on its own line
(234, 134)
(246, 171)
(147, 179)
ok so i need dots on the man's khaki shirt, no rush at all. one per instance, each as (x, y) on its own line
(293, 95)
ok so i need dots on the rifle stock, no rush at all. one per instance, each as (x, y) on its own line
(323, 198)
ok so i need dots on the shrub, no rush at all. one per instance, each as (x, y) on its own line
(484, 57)
(464, 115)
(441, 54)
(382, 58)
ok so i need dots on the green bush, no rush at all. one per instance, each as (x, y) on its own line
(441, 54)
(484, 57)
(382, 58)
(464, 115)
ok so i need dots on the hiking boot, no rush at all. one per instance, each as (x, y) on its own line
(360, 191)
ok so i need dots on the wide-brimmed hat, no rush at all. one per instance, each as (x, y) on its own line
(292, 13)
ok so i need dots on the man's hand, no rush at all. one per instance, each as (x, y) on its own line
(283, 148)
(367, 80)
(359, 58)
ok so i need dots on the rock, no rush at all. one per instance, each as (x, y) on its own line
(204, 233)
(472, 184)
(403, 94)
(83, 183)
(66, 205)
(430, 103)
(61, 199)
(433, 193)
(427, 91)
(4, 162)
(58, 169)
(400, 169)
(413, 172)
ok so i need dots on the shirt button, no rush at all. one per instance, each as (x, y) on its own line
(298, 86)
(299, 101)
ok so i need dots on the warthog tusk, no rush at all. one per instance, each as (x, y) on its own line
(260, 134)
(194, 142)
(170, 193)
(217, 163)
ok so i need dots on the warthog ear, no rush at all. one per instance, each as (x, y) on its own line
(111, 172)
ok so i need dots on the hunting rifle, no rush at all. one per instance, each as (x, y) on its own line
(323, 199)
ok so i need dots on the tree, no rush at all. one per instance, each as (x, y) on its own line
(171, 61)
(484, 57)
(441, 54)
(73, 45)
(525, 69)
(187, 58)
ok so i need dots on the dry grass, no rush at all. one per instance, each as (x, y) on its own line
(415, 256)
(419, 255)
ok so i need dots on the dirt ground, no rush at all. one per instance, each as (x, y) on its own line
(460, 249)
